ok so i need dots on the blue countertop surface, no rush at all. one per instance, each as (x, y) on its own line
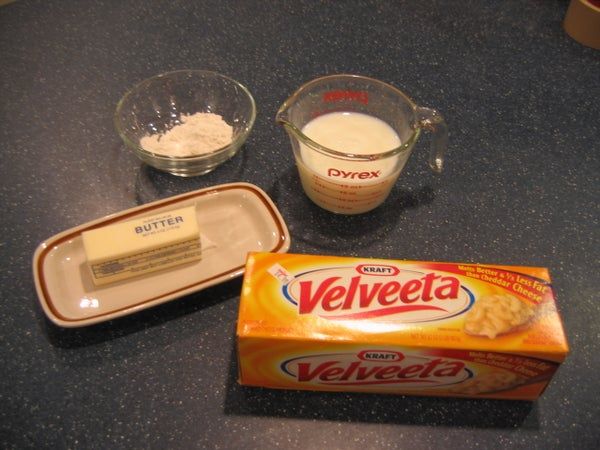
(521, 186)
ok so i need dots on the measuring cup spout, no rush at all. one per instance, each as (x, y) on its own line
(283, 114)
(284, 118)
(302, 106)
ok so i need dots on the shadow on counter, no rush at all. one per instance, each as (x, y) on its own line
(337, 232)
(376, 408)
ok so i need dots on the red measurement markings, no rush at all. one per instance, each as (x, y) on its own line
(340, 95)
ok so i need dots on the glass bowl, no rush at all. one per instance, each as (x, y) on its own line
(156, 105)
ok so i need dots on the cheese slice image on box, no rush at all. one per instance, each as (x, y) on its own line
(143, 245)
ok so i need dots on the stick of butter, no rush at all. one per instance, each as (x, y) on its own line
(139, 246)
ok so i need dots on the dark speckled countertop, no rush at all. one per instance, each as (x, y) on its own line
(521, 187)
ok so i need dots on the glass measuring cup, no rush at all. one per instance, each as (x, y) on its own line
(352, 135)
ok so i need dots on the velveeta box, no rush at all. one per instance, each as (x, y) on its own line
(404, 327)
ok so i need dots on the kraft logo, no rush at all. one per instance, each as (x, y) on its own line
(371, 291)
(380, 355)
(348, 175)
(377, 269)
(372, 368)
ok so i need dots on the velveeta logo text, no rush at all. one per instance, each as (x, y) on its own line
(375, 368)
(370, 291)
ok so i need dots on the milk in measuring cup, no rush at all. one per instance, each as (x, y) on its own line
(349, 186)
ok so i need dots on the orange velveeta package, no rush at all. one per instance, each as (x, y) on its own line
(370, 325)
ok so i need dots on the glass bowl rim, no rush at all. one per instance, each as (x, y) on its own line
(237, 142)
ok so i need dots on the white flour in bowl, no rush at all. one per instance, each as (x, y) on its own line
(196, 134)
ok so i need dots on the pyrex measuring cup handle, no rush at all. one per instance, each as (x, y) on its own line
(431, 120)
